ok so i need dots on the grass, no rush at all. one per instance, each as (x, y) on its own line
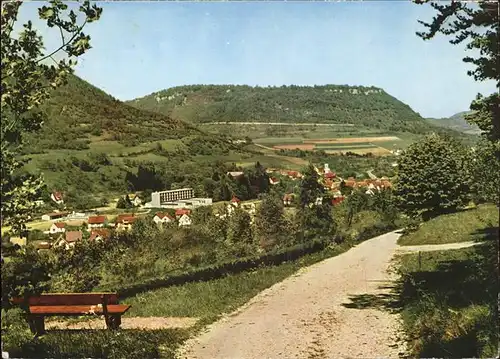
(449, 302)
(455, 227)
(208, 300)
(120, 344)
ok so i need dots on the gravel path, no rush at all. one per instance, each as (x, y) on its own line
(127, 323)
(308, 315)
(437, 247)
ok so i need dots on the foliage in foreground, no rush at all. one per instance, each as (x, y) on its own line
(19, 342)
(450, 302)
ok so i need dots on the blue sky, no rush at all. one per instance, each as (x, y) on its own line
(143, 47)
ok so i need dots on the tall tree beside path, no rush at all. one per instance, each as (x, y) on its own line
(29, 72)
(432, 177)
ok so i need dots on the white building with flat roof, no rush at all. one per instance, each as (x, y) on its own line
(177, 198)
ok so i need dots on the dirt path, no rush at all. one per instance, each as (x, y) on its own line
(437, 247)
(308, 315)
(127, 323)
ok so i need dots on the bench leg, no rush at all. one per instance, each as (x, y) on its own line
(114, 322)
(37, 324)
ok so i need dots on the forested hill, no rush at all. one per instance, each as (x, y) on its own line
(367, 106)
(79, 111)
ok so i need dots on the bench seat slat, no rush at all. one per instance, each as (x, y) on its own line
(68, 299)
(76, 309)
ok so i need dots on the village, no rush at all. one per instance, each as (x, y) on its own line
(174, 207)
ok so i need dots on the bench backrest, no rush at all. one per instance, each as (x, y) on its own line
(70, 299)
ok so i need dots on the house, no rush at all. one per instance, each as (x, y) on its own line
(386, 184)
(57, 197)
(99, 234)
(184, 220)
(43, 245)
(57, 227)
(330, 175)
(294, 174)
(273, 180)
(134, 199)
(96, 222)
(288, 199)
(350, 182)
(337, 200)
(179, 212)
(124, 221)
(53, 215)
(163, 218)
(235, 174)
(235, 201)
(69, 239)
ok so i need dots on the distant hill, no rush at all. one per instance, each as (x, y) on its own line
(456, 122)
(358, 105)
(79, 111)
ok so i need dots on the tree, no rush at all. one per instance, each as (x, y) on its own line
(484, 172)
(270, 224)
(477, 25)
(355, 203)
(383, 202)
(202, 215)
(28, 75)
(310, 187)
(24, 274)
(240, 228)
(432, 177)
(124, 202)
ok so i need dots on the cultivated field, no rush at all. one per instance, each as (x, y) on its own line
(360, 145)
(352, 140)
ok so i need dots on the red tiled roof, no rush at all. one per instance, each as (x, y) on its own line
(387, 184)
(73, 236)
(350, 183)
(330, 175)
(337, 200)
(57, 195)
(163, 215)
(103, 233)
(60, 224)
(125, 218)
(57, 214)
(43, 245)
(288, 197)
(181, 211)
(235, 199)
(97, 220)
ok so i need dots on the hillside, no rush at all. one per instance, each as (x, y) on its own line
(361, 106)
(93, 148)
(456, 122)
(79, 112)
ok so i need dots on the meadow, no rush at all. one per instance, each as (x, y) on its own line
(448, 299)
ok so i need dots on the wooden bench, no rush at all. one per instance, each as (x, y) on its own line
(72, 304)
